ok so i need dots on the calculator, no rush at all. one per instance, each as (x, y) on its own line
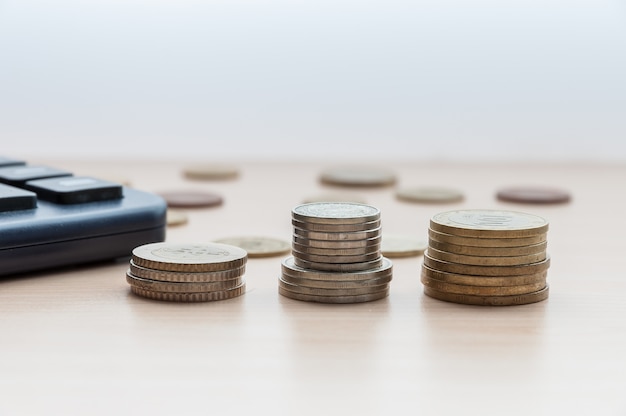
(50, 218)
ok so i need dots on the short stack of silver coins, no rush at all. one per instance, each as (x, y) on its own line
(336, 255)
(187, 272)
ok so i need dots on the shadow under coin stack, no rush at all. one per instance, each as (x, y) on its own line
(336, 255)
(486, 257)
(187, 272)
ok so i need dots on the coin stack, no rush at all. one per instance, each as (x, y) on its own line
(486, 257)
(336, 255)
(187, 272)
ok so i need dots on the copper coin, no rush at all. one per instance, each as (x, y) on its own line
(533, 195)
(191, 199)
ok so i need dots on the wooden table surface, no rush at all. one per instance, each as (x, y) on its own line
(75, 341)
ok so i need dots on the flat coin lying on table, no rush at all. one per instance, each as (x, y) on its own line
(429, 195)
(258, 246)
(191, 199)
(210, 172)
(394, 246)
(176, 217)
(533, 195)
(201, 257)
(358, 177)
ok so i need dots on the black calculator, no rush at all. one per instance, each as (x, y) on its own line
(51, 218)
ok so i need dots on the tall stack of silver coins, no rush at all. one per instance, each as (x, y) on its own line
(336, 255)
(187, 272)
(486, 257)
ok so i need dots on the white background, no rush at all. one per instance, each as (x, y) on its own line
(333, 79)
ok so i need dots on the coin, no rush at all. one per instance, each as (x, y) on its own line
(330, 236)
(336, 251)
(334, 299)
(481, 290)
(166, 276)
(289, 267)
(360, 176)
(338, 244)
(210, 171)
(489, 223)
(258, 246)
(486, 242)
(524, 299)
(338, 267)
(335, 197)
(486, 261)
(189, 297)
(488, 251)
(316, 258)
(207, 257)
(335, 213)
(175, 217)
(335, 284)
(465, 279)
(455, 268)
(533, 195)
(336, 228)
(402, 246)
(429, 195)
(191, 199)
(316, 291)
(179, 287)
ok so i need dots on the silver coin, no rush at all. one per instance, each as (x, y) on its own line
(429, 195)
(336, 228)
(289, 267)
(333, 299)
(336, 284)
(402, 246)
(335, 213)
(316, 291)
(166, 276)
(347, 236)
(360, 176)
(358, 251)
(182, 287)
(363, 258)
(338, 267)
(333, 244)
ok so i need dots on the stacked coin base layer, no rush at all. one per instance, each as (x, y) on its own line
(187, 272)
(336, 255)
(486, 257)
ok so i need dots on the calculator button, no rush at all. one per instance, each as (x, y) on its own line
(13, 199)
(19, 175)
(5, 161)
(75, 189)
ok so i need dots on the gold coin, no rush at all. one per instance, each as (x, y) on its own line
(336, 228)
(176, 217)
(486, 242)
(182, 277)
(334, 299)
(316, 291)
(456, 268)
(358, 176)
(181, 287)
(201, 257)
(339, 267)
(402, 246)
(258, 246)
(317, 258)
(489, 224)
(524, 299)
(488, 251)
(190, 297)
(336, 284)
(289, 267)
(429, 195)
(481, 290)
(486, 261)
(210, 172)
(469, 280)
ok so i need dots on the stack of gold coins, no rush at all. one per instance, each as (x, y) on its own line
(336, 254)
(187, 272)
(486, 257)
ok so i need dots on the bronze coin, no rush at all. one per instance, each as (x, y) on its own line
(191, 199)
(533, 195)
